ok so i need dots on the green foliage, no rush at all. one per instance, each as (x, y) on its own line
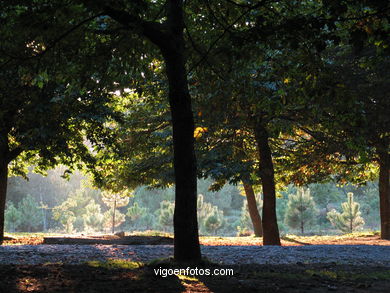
(301, 210)
(137, 213)
(109, 222)
(93, 218)
(210, 217)
(13, 217)
(165, 214)
(214, 221)
(70, 213)
(349, 220)
(115, 199)
(30, 211)
(113, 217)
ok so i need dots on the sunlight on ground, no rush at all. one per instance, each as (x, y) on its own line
(115, 264)
(28, 284)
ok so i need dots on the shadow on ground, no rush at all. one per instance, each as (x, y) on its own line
(97, 277)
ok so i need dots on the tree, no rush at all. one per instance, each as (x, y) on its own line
(214, 220)
(13, 217)
(93, 218)
(349, 220)
(246, 220)
(113, 218)
(71, 211)
(30, 211)
(136, 213)
(210, 217)
(43, 119)
(165, 214)
(115, 200)
(253, 209)
(301, 210)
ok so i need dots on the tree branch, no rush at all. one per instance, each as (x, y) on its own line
(155, 32)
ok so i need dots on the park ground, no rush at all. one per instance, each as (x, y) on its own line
(123, 276)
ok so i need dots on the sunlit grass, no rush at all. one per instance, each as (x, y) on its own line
(115, 264)
(187, 278)
(333, 237)
(30, 234)
(151, 233)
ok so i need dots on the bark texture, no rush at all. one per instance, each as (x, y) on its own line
(384, 193)
(3, 189)
(266, 172)
(186, 241)
(253, 210)
(169, 39)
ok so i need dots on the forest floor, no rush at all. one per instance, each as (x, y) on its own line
(247, 278)
(129, 276)
(360, 238)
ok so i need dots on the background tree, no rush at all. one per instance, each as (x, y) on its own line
(349, 220)
(93, 218)
(165, 214)
(114, 201)
(136, 213)
(13, 217)
(214, 221)
(30, 211)
(43, 115)
(301, 210)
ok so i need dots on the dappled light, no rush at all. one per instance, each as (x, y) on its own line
(194, 146)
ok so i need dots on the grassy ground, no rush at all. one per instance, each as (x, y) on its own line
(124, 276)
(135, 277)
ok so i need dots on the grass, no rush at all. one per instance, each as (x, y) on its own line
(151, 233)
(345, 275)
(115, 264)
(333, 237)
(339, 275)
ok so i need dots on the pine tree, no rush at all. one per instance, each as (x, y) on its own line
(214, 220)
(30, 210)
(301, 210)
(165, 214)
(137, 213)
(109, 222)
(349, 220)
(70, 213)
(113, 201)
(93, 218)
(13, 217)
(210, 217)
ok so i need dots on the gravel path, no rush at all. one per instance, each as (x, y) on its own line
(74, 254)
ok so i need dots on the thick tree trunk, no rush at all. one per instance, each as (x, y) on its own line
(384, 193)
(187, 246)
(252, 207)
(3, 194)
(266, 172)
(186, 241)
(169, 38)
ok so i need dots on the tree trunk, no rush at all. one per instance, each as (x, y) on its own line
(266, 172)
(384, 193)
(3, 193)
(113, 217)
(252, 207)
(170, 41)
(186, 240)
